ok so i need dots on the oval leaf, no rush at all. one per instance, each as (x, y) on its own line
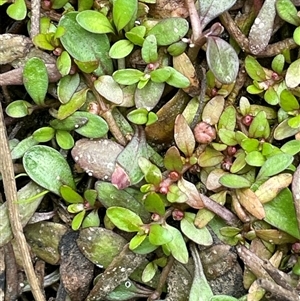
(36, 162)
(35, 78)
(222, 60)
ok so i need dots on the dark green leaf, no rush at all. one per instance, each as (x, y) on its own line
(154, 203)
(85, 46)
(70, 195)
(76, 102)
(36, 162)
(152, 173)
(275, 165)
(210, 9)
(123, 12)
(280, 213)
(254, 69)
(67, 87)
(177, 245)
(149, 49)
(43, 134)
(91, 220)
(64, 139)
(288, 101)
(35, 78)
(222, 60)
(234, 181)
(199, 236)
(169, 31)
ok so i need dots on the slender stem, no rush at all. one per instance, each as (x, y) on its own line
(7, 171)
(162, 280)
(35, 18)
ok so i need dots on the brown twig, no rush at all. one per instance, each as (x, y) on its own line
(35, 18)
(7, 171)
(224, 213)
(162, 279)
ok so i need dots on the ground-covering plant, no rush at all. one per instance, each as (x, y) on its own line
(157, 136)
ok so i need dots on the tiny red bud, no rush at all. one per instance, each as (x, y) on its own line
(57, 51)
(226, 165)
(177, 215)
(296, 247)
(231, 150)
(204, 133)
(247, 120)
(174, 175)
(155, 217)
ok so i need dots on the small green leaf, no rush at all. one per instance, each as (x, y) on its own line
(177, 80)
(149, 49)
(123, 12)
(159, 235)
(160, 75)
(250, 144)
(91, 220)
(17, 10)
(255, 158)
(22, 147)
(278, 62)
(169, 31)
(136, 241)
(128, 160)
(296, 35)
(149, 96)
(43, 134)
(108, 88)
(177, 245)
(94, 21)
(96, 127)
(127, 76)
(271, 96)
(70, 195)
(172, 159)
(291, 147)
(280, 213)
(57, 4)
(210, 157)
(36, 162)
(44, 41)
(70, 123)
(149, 272)
(252, 89)
(222, 60)
(228, 118)
(152, 173)
(227, 137)
(274, 165)
(292, 77)
(67, 87)
(64, 139)
(64, 63)
(200, 236)
(18, 109)
(259, 127)
(138, 116)
(254, 69)
(124, 219)
(234, 181)
(77, 220)
(154, 203)
(288, 101)
(121, 49)
(283, 130)
(145, 247)
(76, 102)
(287, 12)
(35, 78)
(294, 122)
(210, 9)
(136, 35)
